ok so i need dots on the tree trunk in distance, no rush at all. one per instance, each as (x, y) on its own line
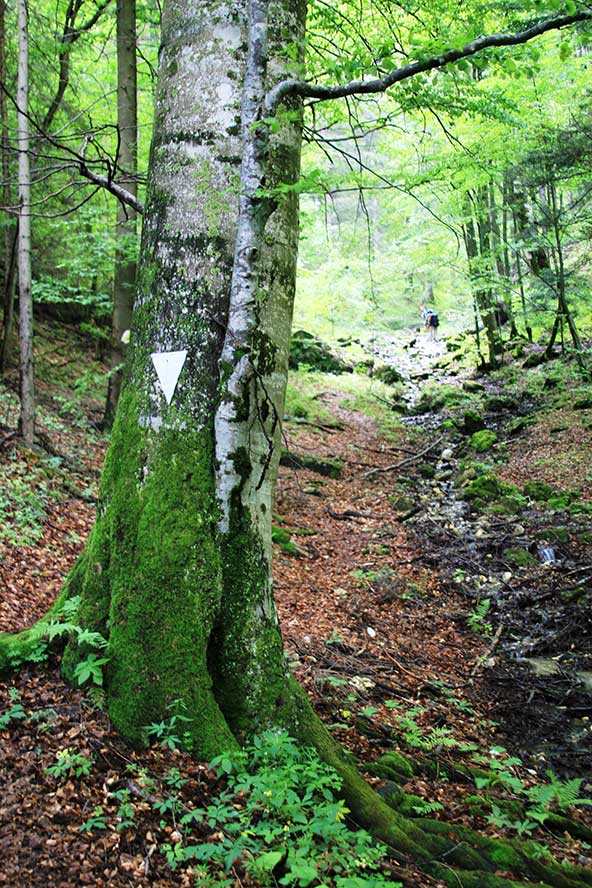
(27, 415)
(124, 283)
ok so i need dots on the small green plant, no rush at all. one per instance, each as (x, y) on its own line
(15, 712)
(90, 669)
(70, 764)
(334, 638)
(24, 498)
(423, 738)
(476, 618)
(126, 812)
(538, 800)
(168, 732)
(426, 808)
(95, 821)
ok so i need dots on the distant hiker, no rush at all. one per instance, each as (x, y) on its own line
(431, 322)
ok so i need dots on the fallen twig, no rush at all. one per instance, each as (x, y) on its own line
(351, 513)
(403, 462)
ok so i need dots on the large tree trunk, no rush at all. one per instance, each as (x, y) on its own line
(124, 284)
(27, 414)
(176, 573)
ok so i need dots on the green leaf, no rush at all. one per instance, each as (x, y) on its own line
(270, 860)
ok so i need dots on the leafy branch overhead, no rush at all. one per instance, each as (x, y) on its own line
(304, 89)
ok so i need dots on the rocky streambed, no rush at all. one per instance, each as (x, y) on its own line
(521, 553)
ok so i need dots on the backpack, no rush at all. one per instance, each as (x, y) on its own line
(433, 320)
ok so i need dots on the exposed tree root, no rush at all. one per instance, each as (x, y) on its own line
(459, 856)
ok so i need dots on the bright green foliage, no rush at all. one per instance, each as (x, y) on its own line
(538, 490)
(95, 821)
(90, 669)
(15, 712)
(280, 816)
(24, 499)
(519, 556)
(282, 538)
(476, 618)
(70, 764)
(538, 801)
(171, 732)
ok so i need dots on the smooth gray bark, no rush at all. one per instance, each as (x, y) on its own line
(27, 414)
(9, 230)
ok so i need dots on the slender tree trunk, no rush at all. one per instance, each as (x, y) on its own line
(505, 259)
(9, 229)
(563, 313)
(478, 257)
(27, 415)
(124, 284)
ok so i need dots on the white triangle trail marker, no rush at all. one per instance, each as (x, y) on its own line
(168, 366)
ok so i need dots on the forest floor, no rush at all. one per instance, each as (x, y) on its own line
(431, 605)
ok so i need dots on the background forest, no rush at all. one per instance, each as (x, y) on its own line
(468, 186)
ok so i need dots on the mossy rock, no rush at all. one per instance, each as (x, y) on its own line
(518, 424)
(581, 508)
(402, 503)
(519, 556)
(483, 440)
(556, 535)
(391, 766)
(436, 398)
(561, 500)
(388, 375)
(471, 385)
(552, 382)
(488, 488)
(498, 403)
(472, 422)
(583, 404)
(534, 360)
(281, 537)
(329, 468)
(426, 470)
(306, 349)
(511, 504)
(539, 491)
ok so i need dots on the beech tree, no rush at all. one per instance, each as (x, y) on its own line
(176, 573)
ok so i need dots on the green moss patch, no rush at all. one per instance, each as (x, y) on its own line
(483, 440)
(519, 556)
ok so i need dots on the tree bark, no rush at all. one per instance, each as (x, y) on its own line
(10, 229)
(177, 571)
(27, 414)
(124, 284)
